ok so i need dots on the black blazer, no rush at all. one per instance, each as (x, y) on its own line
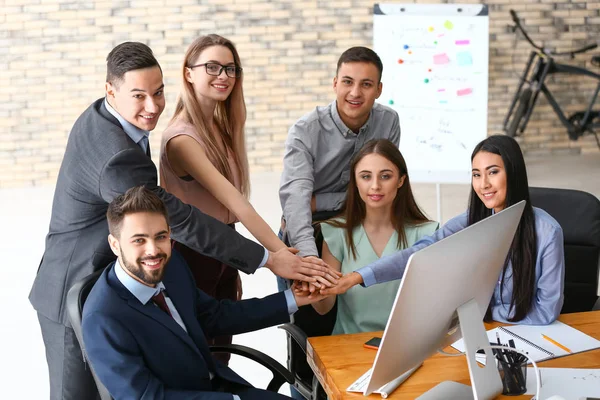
(100, 163)
(139, 352)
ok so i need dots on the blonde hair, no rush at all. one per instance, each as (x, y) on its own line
(230, 114)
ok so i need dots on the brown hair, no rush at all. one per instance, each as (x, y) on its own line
(404, 209)
(135, 200)
(229, 114)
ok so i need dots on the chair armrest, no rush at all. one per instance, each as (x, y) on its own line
(280, 374)
(295, 333)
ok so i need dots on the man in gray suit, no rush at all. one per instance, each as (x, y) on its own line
(107, 153)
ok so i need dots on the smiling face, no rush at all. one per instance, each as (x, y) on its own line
(357, 87)
(489, 180)
(377, 181)
(143, 246)
(138, 97)
(208, 87)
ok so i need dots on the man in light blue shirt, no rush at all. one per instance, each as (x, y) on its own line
(145, 323)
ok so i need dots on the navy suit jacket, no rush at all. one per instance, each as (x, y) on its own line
(140, 352)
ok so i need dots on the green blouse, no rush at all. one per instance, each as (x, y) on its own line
(363, 309)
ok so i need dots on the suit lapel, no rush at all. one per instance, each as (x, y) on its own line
(185, 301)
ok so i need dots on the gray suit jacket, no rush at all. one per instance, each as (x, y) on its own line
(100, 163)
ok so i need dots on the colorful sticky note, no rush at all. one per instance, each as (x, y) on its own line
(391, 102)
(464, 58)
(400, 61)
(442, 58)
(431, 29)
(410, 52)
(426, 80)
(464, 92)
(405, 46)
(463, 42)
(448, 24)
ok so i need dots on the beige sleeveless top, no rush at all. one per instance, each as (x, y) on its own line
(188, 189)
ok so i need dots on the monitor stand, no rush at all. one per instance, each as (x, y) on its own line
(485, 381)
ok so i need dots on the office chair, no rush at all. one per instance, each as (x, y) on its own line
(77, 296)
(306, 322)
(578, 213)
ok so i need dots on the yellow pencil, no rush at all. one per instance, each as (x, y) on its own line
(554, 342)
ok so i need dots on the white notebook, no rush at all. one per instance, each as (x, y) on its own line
(528, 338)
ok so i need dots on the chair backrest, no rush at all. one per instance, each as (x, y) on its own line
(76, 298)
(578, 213)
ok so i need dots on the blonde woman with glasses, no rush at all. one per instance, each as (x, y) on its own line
(203, 158)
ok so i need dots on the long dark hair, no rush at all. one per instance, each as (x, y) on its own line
(404, 209)
(523, 249)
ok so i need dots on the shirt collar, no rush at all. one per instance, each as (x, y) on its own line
(342, 127)
(136, 134)
(141, 292)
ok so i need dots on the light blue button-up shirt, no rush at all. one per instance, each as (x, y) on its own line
(141, 138)
(549, 269)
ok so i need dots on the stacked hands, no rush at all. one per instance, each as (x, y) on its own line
(333, 282)
(313, 278)
(341, 285)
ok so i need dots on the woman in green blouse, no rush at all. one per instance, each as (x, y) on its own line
(379, 218)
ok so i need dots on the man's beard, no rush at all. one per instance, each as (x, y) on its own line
(148, 277)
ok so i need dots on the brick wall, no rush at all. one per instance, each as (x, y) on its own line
(52, 58)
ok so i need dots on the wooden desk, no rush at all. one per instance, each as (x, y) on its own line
(339, 360)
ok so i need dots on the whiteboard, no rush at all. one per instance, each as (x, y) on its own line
(435, 75)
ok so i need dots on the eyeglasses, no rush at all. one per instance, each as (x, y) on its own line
(215, 69)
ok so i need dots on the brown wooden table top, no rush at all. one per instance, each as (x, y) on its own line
(339, 360)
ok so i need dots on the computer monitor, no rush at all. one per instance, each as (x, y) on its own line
(440, 279)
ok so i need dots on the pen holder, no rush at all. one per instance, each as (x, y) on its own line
(513, 376)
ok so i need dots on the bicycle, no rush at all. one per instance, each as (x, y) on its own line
(532, 82)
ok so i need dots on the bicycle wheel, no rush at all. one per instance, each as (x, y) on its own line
(520, 113)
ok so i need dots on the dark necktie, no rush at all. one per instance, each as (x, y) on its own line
(145, 145)
(159, 300)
